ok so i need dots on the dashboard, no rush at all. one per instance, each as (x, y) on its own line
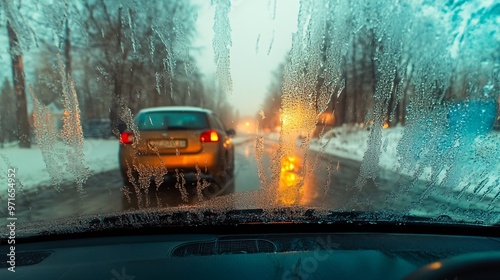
(246, 256)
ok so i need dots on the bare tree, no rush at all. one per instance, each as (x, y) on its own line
(141, 55)
(8, 126)
(19, 80)
(47, 84)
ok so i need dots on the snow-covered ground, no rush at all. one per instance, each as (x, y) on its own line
(482, 168)
(31, 170)
(424, 157)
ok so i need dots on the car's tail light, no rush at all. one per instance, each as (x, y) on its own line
(209, 136)
(126, 138)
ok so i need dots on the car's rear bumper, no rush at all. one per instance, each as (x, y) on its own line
(209, 161)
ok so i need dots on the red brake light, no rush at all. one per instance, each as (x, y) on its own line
(209, 136)
(126, 138)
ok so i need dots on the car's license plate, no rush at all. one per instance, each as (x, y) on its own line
(168, 144)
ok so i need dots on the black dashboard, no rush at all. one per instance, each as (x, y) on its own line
(344, 255)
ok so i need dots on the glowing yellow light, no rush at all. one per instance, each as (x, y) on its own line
(435, 265)
(290, 190)
(247, 124)
(214, 137)
(386, 125)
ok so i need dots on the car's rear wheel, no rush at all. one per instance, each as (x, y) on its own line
(229, 165)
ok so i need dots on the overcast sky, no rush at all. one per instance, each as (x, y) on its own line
(251, 66)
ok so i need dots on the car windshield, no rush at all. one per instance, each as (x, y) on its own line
(171, 120)
(388, 109)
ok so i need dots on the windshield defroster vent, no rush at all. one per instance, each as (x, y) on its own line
(222, 247)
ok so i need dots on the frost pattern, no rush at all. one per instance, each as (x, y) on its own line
(47, 139)
(201, 184)
(269, 49)
(272, 9)
(132, 29)
(429, 56)
(387, 56)
(169, 62)
(259, 154)
(302, 102)
(127, 117)
(72, 131)
(222, 43)
(257, 44)
(69, 158)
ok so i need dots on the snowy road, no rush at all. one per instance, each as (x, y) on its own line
(103, 194)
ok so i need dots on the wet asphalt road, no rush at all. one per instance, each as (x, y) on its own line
(104, 194)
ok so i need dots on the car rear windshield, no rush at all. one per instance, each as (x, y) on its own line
(172, 121)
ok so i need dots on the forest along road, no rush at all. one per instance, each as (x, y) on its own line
(388, 191)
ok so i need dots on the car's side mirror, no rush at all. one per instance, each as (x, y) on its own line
(231, 132)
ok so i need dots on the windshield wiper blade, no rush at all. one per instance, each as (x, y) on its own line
(218, 221)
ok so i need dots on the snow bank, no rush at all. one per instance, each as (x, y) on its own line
(100, 155)
(477, 171)
(460, 165)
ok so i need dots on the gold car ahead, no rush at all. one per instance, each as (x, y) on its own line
(174, 140)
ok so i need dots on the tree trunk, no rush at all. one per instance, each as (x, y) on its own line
(19, 88)
(67, 49)
(117, 78)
